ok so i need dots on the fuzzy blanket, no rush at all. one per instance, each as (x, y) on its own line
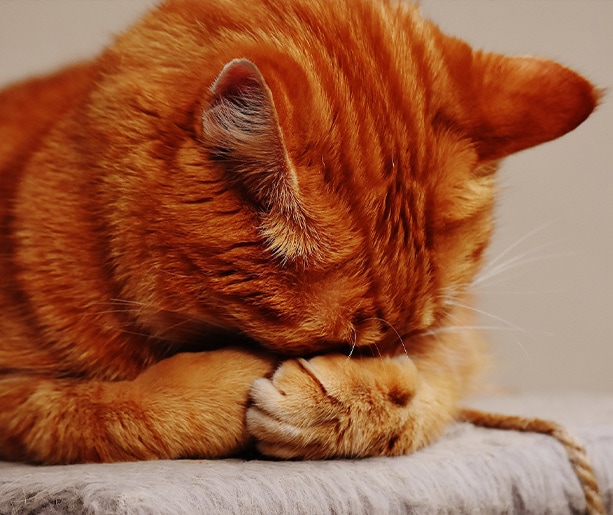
(470, 470)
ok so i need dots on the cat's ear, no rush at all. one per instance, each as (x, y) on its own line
(241, 132)
(519, 102)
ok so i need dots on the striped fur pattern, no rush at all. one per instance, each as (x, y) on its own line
(255, 221)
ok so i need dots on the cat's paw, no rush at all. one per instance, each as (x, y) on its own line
(332, 406)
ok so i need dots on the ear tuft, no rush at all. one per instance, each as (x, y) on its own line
(242, 133)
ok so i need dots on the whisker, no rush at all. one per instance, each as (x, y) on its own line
(393, 329)
(454, 329)
(518, 242)
(166, 330)
(521, 292)
(379, 351)
(125, 301)
(531, 334)
(182, 276)
(353, 344)
(109, 311)
(135, 333)
(520, 260)
(493, 278)
(489, 315)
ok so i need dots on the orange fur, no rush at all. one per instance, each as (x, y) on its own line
(234, 184)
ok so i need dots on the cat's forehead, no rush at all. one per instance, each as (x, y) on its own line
(374, 69)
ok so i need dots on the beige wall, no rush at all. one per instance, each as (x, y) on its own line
(552, 309)
(558, 304)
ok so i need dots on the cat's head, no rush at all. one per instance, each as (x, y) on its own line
(310, 173)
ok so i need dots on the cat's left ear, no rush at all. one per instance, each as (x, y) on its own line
(518, 102)
(241, 131)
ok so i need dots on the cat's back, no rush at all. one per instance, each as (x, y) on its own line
(28, 109)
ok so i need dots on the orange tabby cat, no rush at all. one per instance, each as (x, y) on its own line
(255, 220)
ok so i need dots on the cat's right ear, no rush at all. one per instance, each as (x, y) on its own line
(241, 131)
(525, 101)
(507, 104)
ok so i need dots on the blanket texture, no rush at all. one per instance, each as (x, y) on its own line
(469, 470)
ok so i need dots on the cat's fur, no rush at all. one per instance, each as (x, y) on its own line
(282, 201)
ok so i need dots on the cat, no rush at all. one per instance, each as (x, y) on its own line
(253, 222)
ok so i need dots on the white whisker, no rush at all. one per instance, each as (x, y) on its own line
(125, 301)
(182, 276)
(489, 315)
(520, 292)
(517, 243)
(353, 343)
(393, 329)
(455, 329)
(111, 311)
(517, 261)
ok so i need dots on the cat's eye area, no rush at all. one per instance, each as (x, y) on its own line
(368, 329)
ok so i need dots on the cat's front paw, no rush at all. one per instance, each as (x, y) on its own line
(332, 406)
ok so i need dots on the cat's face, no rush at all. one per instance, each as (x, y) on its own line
(314, 175)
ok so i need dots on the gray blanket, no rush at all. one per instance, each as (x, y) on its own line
(470, 470)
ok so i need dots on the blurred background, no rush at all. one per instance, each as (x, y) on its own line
(547, 296)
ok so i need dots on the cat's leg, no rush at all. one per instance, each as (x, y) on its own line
(189, 405)
(333, 406)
